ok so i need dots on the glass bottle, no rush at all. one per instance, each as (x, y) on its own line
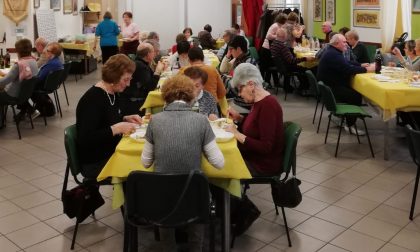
(378, 61)
(7, 59)
(1, 59)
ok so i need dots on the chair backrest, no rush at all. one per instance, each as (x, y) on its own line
(291, 135)
(53, 80)
(281, 67)
(70, 143)
(151, 198)
(67, 67)
(313, 86)
(413, 137)
(27, 87)
(327, 97)
(253, 53)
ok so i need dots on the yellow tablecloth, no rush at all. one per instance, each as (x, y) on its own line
(154, 99)
(219, 43)
(390, 97)
(126, 158)
(307, 64)
(212, 58)
(87, 46)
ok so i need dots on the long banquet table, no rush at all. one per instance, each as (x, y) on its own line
(388, 97)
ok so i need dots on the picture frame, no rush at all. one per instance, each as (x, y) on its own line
(67, 6)
(75, 8)
(367, 18)
(367, 4)
(55, 5)
(317, 8)
(36, 4)
(416, 6)
(330, 11)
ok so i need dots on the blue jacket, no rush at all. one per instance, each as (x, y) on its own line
(108, 31)
(52, 65)
(335, 70)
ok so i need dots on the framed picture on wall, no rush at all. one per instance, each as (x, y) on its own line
(367, 4)
(36, 4)
(317, 10)
(416, 6)
(55, 5)
(330, 11)
(74, 7)
(67, 7)
(366, 18)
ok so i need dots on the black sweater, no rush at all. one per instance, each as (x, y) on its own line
(361, 53)
(94, 117)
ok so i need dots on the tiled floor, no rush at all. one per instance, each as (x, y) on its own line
(350, 203)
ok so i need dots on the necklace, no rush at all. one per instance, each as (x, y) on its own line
(109, 98)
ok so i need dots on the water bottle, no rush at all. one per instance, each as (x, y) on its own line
(176, 66)
(378, 61)
(317, 45)
(312, 43)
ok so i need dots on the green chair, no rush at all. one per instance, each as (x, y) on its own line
(73, 166)
(132, 56)
(341, 111)
(291, 135)
(313, 88)
(253, 53)
(413, 137)
(250, 40)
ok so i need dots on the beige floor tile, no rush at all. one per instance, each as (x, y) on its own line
(247, 243)
(9, 180)
(255, 189)
(293, 217)
(305, 162)
(115, 221)
(342, 162)
(317, 155)
(47, 181)
(17, 190)
(326, 168)
(31, 235)
(376, 228)
(111, 244)
(386, 184)
(407, 239)
(59, 243)
(7, 207)
(374, 166)
(92, 233)
(46, 211)
(300, 242)
(339, 216)
(331, 248)
(313, 177)
(33, 199)
(325, 194)
(391, 215)
(402, 200)
(356, 242)
(357, 204)
(305, 186)
(63, 224)
(356, 176)
(33, 173)
(392, 248)
(311, 206)
(268, 248)
(264, 205)
(401, 175)
(320, 229)
(341, 184)
(265, 231)
(7, 246)
(371, 193)
(16, 221)
(414, 225)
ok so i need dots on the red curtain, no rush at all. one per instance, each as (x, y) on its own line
(252, 10)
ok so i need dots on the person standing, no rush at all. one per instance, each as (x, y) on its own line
(130, 32)
(108, 31)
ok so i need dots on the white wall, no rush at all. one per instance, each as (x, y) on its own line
(367, 34)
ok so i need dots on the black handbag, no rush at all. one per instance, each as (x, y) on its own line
(81, 201)
(286, 192)
(244, 214)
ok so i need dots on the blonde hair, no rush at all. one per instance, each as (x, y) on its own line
(178, 87)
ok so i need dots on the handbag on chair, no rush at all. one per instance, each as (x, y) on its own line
(286, 192)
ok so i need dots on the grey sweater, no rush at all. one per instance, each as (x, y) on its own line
(178, 136)
(11, 82)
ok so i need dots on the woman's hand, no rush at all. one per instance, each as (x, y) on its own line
(231, 128)
(133, 119)
(123, 128)
(397, 53)
(213, 117)
(234, 114)
(229, 53)
(160, 67)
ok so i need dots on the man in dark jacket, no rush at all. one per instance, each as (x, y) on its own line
(358, 49)
(143, 81)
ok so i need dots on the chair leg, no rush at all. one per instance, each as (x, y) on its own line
(339, 135)
(57, 102)
(16, 122)
(65, 92)
(316, 108)
(320, 117)
(328, 128)
(285, 226)
(74, 235)
(357, 133)
(368, 137)
(416, 186)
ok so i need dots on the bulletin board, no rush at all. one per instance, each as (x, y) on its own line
(45, 25)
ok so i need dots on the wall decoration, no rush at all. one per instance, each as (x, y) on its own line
(416, 6)
(366, 18)
(75, 8)
(330, 11)
(67, 7)
(367, 4)
(317, 10)
(36, 4)
(16, 10)
(55, 5)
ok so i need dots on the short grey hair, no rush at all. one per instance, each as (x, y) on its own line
(245, 72)
(336, 38)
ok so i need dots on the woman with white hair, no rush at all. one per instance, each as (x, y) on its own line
(260, 136)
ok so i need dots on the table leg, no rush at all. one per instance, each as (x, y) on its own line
(386, 140)
(86, 64)
(226, 222)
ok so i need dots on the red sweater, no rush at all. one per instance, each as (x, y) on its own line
(264, 144)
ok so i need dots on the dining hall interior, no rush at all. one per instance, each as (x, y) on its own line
(307, 136)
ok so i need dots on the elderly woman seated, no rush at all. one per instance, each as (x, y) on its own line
(412, 59)
(99, 119)
(260, 135)
(205, 102)
(175, 141)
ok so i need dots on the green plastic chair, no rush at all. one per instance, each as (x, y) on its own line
(253, 53)
(341, 111)
(413, 137)
(250, 40)
(313, 88)
(291, 135)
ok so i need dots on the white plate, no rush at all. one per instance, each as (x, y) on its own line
(222, 135)
(139, 134)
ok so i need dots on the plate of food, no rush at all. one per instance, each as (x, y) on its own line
(139, 134)
(222, 135)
